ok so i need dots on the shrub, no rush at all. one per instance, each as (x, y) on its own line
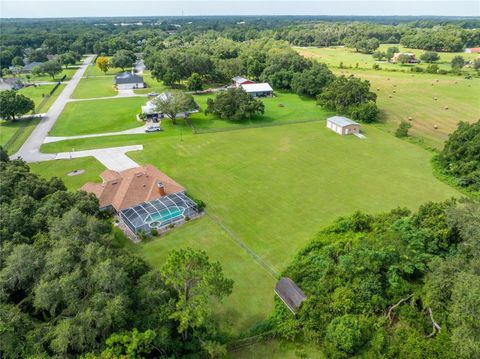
(366, 112)
(402, 130)
(154, 232)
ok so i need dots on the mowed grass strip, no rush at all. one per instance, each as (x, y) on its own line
(98, 116)
(91, 87)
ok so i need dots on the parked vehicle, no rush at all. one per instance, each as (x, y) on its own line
(152, 94)
(152, 129)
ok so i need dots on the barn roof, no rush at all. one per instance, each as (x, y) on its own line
(127, 78)
(290, 293)
(262, 87)
(240, 79)
(341, 121)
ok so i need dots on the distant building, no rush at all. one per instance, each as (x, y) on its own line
(144, 198)
(410, 57)
(12, 83)
(258, 90)
(343, 125)
(290, 294)
(238, 81)
(127, 81)
(473, 50)
(28, 67)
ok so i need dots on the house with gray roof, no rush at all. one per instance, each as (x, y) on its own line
(258, 89)
(12, 83)
(127, 81)
(343, 125)
(290, 294)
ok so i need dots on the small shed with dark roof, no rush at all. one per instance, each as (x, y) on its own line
(290, 294)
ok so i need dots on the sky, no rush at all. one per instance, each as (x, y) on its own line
(99, 8)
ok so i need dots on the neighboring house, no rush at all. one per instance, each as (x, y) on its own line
(28, 67)
(11, 84)
(127, 81)
(150, 109)
(258, 90)
(343, 125)
(237, 81)
(410, 57)
(290, 294)
(144, 198)
(473, 50)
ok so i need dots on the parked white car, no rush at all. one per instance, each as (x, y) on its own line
(152, 129)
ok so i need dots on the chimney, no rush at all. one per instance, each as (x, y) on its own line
(161, 188)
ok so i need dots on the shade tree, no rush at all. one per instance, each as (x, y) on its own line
(234, 104)
(13, 105)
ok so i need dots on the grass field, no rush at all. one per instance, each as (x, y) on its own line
(38, 93)
(90, 87)
(402, 95)
(278, 349)
(283, 108)
(333, 56)
(97, 116)
(273, 188)
(61, 168)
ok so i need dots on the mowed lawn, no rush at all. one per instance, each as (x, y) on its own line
(98, 116)
(283, 108)
(333, 56)
(273, 188)
(90, 87)
(89, 166)
(425, 98)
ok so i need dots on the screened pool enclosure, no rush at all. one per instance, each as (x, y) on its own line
(159, 213)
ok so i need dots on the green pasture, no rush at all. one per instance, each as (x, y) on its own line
(38, 93)
(91, 87)
(436, 103)
(97, 116)
(273, 188)
(333, 56)
(93, 70)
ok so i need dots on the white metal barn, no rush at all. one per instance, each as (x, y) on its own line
(343, 125)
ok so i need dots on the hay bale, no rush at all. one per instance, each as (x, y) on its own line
(437, 80)
(410, 118)
(394, 91)
(389, 96)
(378, 89)
(446, 107)
(435, 98)
(435, 127)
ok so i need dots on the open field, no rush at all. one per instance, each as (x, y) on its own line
(38, 93)
(278, 349)
(333, 56)
(97, 116)
(90, 87)
(273, 188)
(83, 116)
(403, 95)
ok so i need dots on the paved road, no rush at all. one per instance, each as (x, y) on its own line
(30, 151)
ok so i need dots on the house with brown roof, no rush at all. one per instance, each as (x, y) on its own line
(120, 190)
(144, 198)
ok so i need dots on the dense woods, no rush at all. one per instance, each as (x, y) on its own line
(68, 288)
(393, 285)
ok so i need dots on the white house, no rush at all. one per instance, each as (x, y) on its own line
(151, 112)
(127, 81)
(258, 90)
(238, 81)
(343, 125)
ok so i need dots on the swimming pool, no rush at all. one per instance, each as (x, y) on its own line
(166, 215)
